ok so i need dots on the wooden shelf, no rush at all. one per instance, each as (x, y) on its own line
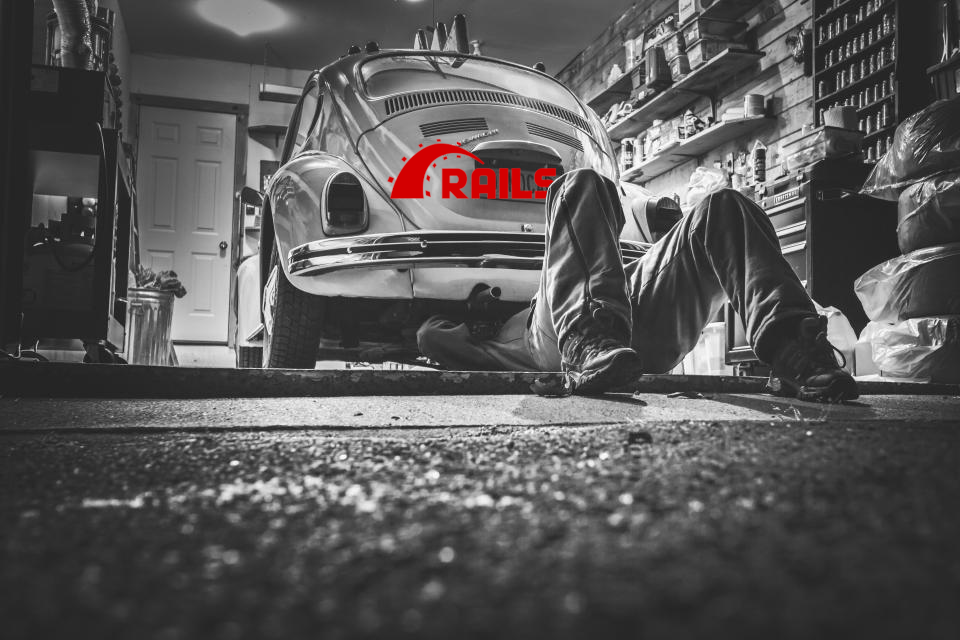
(702, 81)
(280, 93)
(694, 147)
(729, 9)
(842, 7)
(859, 55)
(617, 92)
(275, 130)
(859, 84)
(870, 19)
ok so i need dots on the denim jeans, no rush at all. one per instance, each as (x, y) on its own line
(725, 249)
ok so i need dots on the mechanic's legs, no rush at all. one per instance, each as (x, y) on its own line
(725, 249)
(581, 317)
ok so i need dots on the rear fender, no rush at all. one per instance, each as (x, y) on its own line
(295, 198)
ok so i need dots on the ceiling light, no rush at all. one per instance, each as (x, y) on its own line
(242, 17)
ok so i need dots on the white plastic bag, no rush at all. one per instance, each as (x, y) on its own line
(929, 213)
(927, 348)
(840, 333)
(703, 182)
(925, 145)
(920, 284)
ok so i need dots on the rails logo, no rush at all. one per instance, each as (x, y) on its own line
(503, 183)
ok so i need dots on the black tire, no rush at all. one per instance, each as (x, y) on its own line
(249, 357)
(297, 319)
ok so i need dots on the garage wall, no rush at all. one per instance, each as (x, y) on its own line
(789, 93)
(219, 81)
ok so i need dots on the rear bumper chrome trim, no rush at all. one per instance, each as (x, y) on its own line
(426, 249)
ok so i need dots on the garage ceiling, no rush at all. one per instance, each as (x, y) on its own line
(318, 31)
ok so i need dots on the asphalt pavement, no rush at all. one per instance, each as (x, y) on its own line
(722, 515)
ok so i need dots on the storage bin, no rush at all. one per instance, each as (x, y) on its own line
(698, 27)
(699, 51)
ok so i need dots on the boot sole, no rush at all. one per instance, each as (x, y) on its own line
(839, 390)
(623, 368)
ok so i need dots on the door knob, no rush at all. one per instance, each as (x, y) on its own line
(223, 245)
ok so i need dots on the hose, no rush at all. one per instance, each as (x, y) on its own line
(75, 43)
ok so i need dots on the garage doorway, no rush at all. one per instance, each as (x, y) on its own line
(185, 185)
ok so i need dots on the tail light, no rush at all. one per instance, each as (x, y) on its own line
(344, 206)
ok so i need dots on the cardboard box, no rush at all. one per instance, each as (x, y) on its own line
(821, 143)
(686, 9)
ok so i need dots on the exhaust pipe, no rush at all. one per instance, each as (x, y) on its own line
(483, 300)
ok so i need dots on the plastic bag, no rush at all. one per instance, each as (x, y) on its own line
(920, 284)
(840, 333)
(925, 144)
(929, 213)
(917, 348)
(703, 182)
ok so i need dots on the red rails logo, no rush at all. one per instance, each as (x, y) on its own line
(485, 182)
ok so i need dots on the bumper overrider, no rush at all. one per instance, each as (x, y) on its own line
(426, 249)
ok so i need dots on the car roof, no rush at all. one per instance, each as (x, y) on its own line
(348, 66)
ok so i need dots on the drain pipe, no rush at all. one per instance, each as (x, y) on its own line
(74, 18)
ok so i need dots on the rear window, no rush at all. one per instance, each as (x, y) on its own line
(390, 75)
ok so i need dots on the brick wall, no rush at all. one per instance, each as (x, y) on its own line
(789, 93)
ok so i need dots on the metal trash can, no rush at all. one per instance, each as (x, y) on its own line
(149, 323)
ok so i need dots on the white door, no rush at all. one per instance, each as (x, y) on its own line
(185, 177)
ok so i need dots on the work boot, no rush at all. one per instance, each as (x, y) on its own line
(807, 367)
(594, 361)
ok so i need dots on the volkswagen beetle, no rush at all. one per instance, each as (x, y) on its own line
(347, 269)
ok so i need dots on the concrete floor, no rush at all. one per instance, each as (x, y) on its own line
(463, 515)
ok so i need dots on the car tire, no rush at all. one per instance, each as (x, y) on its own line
(297, 319)
(249, 357)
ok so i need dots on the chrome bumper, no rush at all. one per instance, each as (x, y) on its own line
(425, 249)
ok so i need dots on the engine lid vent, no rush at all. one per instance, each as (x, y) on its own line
(552, 134)
(420, 99)
(431, 129)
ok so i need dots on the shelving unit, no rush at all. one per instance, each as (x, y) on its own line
(693, 147)
(95, 308)
(728, 9)
(279, 93)
(869, 54)
(616, 92)
(704, 81)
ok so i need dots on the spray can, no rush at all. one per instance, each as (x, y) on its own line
(626, 160)
(759, 162)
